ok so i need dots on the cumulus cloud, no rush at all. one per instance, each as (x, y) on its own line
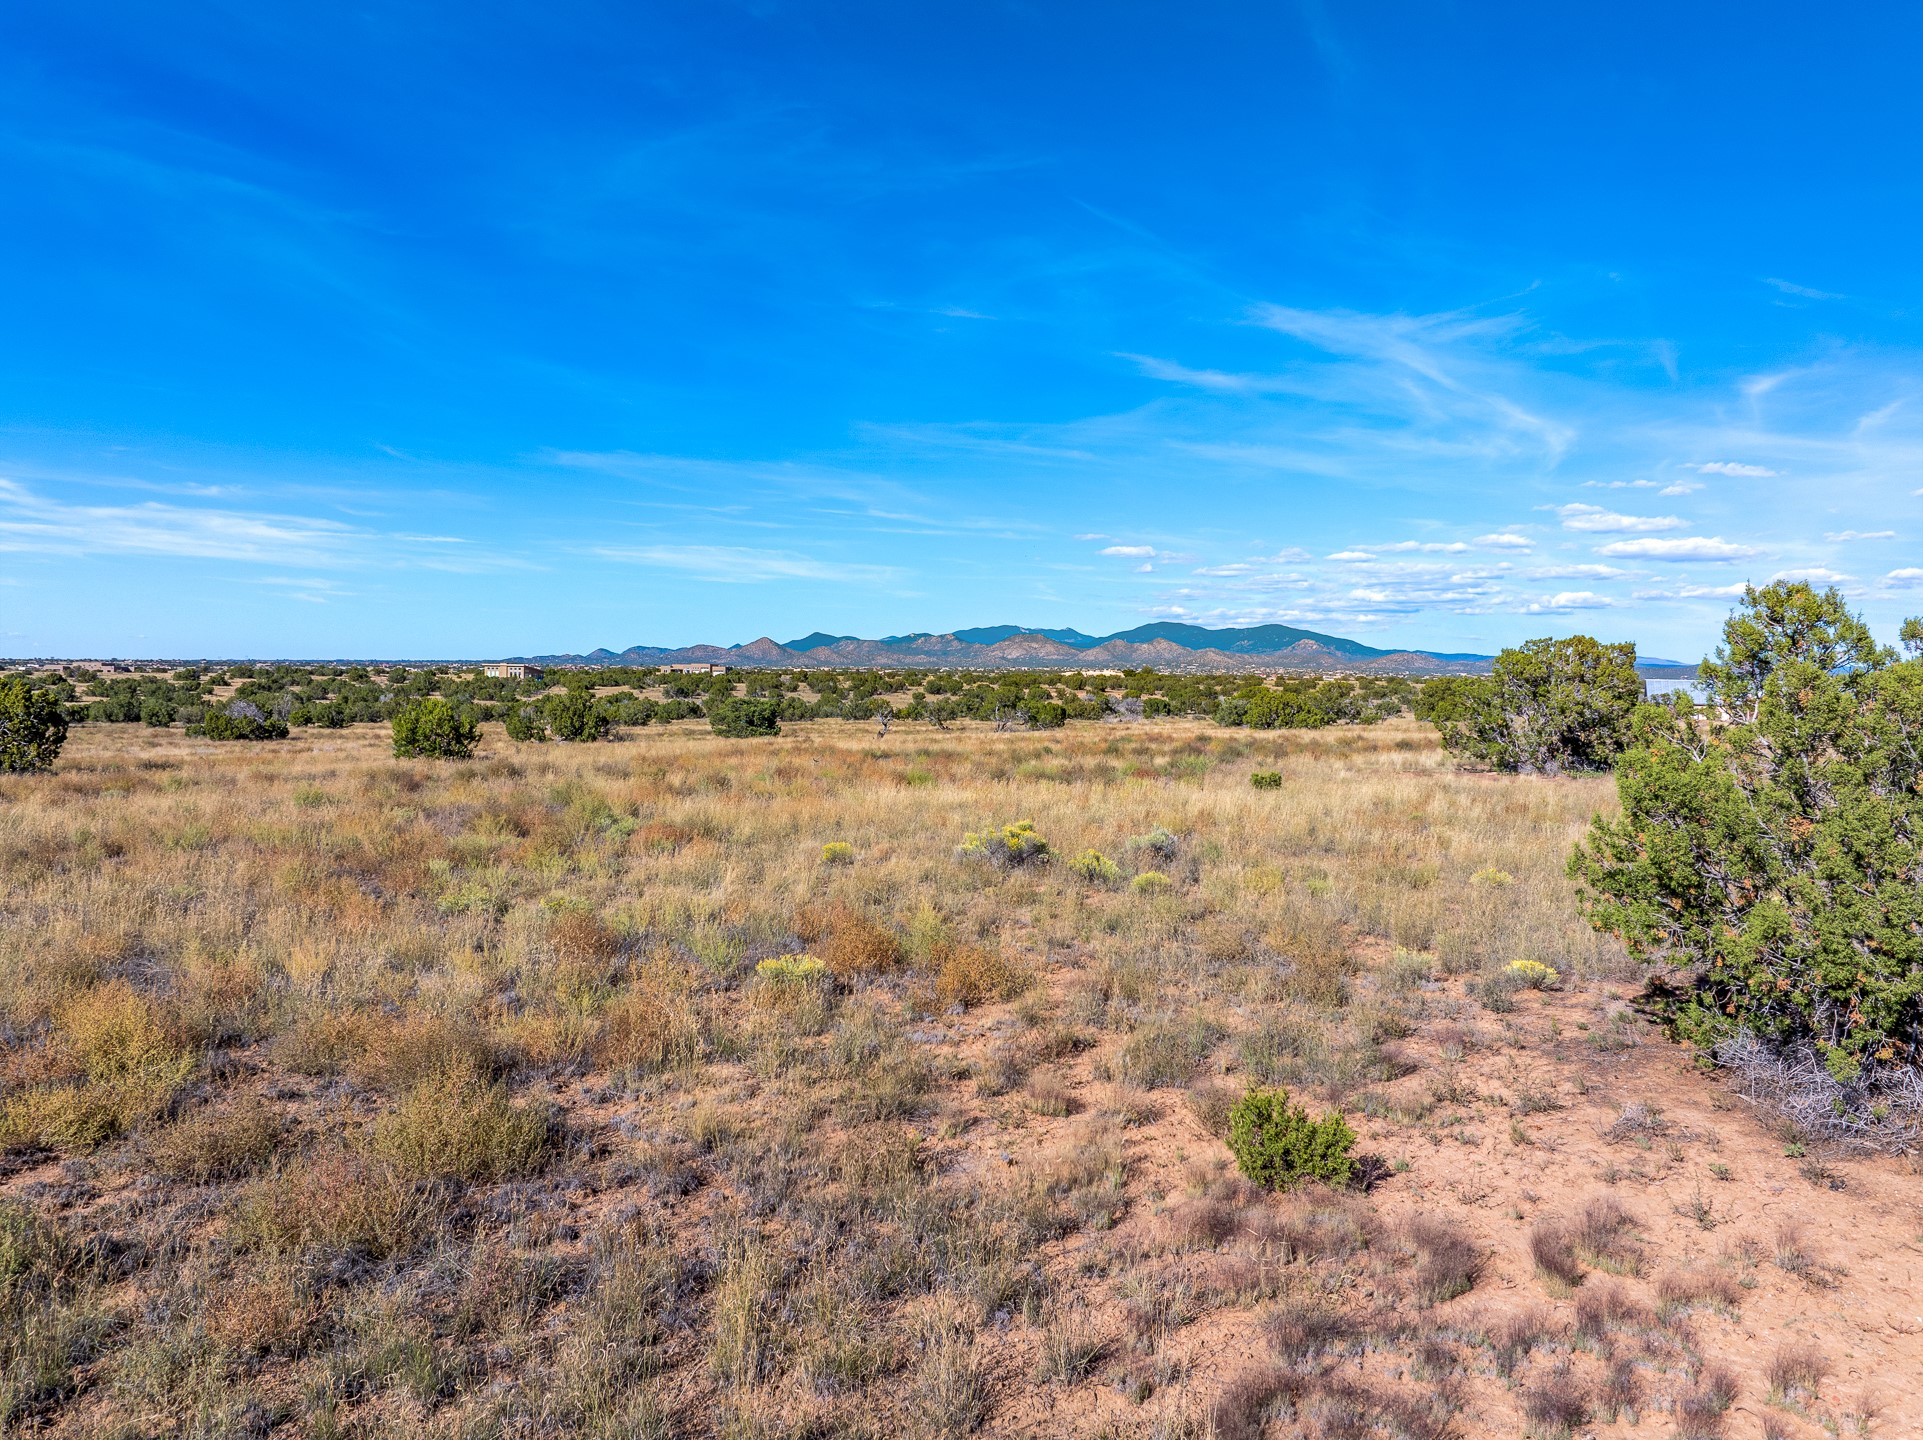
(1133, 552)
(1505, 540)
(1736, 468)
(1357, 555)
(1908, 578)
(1596, 520)
(1815, 574)
(1692, 547)
(1569, 600)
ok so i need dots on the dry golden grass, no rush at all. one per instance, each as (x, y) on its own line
(411, 1098)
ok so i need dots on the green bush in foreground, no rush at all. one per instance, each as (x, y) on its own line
(740, 717)
(1770, 847)
(435, 730)
(1266, 779)
(1277, 1145)
(33, 727)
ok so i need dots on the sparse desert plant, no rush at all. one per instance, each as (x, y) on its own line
(1701, 1406)
(837, 852)
(456, 1126)
(1096, 868)
(1450, 1262)
(1553, 1249)
(1277, 1145)
(1151, 882)
(1011, 846)
(1556, 1403)
(791, 970)
(1534, 974)
(1793, 1372)
(222, 1144)
(1266, 779)
(972, 975)
(433, 729)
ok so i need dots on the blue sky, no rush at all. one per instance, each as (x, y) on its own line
(434, 330)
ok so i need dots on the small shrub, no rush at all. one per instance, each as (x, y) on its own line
(1161, 842)
(1166, 1052)
(455, 1126)
(741, 717)
(1277, 1145)
(971, 975)
(1603, 1240)
(434, 730)
(1489, 875)
(1266, 779)
(1450, 1262)
(581, 936)
(791, 970)
(1794, 1372)
(219, 1144)
(1700, 1408)
(855, 945)
(33, 727)
(652, 1026)
(133, 1070)
(837, 852)
(1096, 868)
(1151, 882)
(1553, 1249)
(1496, 991)
(1010, 846)
(1534, 975)
(1556, 1404)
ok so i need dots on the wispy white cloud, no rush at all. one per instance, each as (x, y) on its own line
(1577, 572)
(1596, 520)
(1841, 537)
(1735, 468)
(1695, 547)
(1505, 540)
(1695, 592)
(1804, 291)
(1909, 577)
(35, 523)
(1136, 551)
(1815, 574)
(741, 565)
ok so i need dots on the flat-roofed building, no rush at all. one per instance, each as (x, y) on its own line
(509, 670)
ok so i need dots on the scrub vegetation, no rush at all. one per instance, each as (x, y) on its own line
(827, 1083)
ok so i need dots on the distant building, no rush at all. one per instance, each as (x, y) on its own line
(702, 668)
(506, 671)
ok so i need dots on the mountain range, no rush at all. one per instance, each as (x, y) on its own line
(1165, 645)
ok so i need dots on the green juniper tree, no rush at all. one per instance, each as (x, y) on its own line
(1546, 707)
(1770, 849)
(33, 727)
(434, 729)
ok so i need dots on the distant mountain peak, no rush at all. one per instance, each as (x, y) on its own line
(1163, 643)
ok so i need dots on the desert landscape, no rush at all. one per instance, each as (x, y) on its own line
(690, 1086)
